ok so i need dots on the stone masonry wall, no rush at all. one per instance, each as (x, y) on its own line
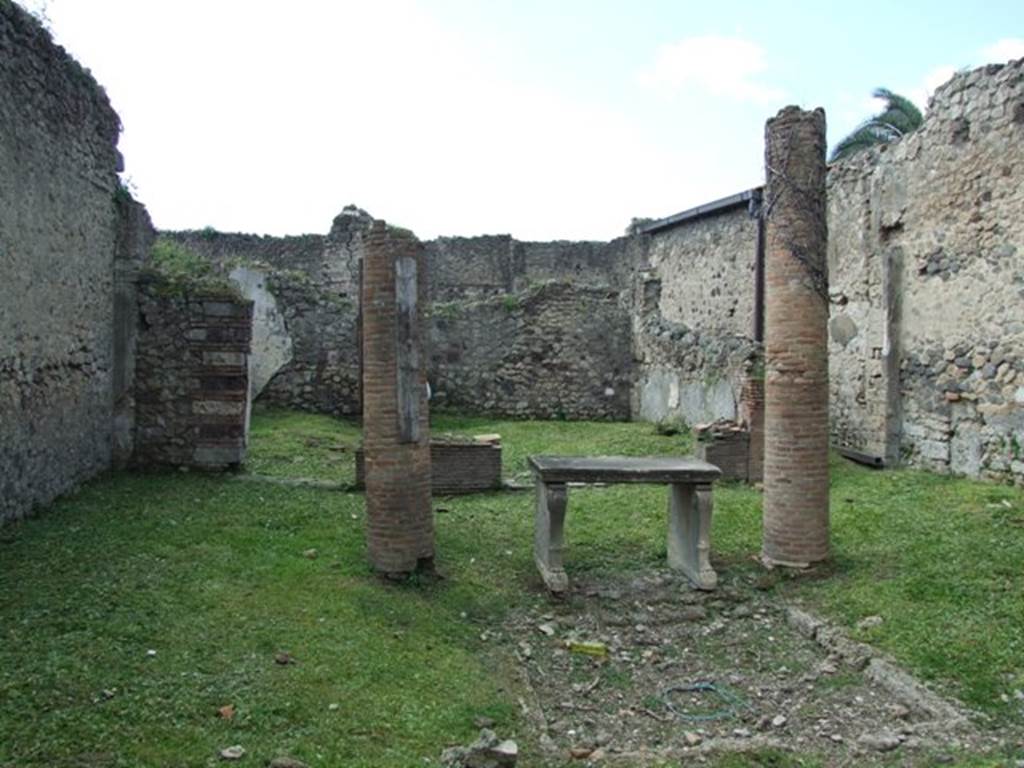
(306, 295)
(491, 265)
(135, 236)
(493, 319)
(927, 253)
(558, 350)
(693, 322)
(58, 176)
(192, 385)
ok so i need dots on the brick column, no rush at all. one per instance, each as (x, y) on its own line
(752, 417)
(396, 429)
(796, 515)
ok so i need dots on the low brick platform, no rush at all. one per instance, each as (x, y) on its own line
(455, 467)
(725, 444)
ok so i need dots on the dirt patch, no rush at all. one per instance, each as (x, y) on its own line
(644, 668)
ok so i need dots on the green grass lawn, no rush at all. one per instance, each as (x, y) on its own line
(209, 573)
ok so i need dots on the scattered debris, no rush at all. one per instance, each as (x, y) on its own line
(486, 752)
(283, 658)
(311, 554)
(869, 622)
(880, 741)
(227, 712)
(658, 633)
(237, 752)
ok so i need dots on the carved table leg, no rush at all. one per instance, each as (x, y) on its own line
(548, 539)
(689, 533)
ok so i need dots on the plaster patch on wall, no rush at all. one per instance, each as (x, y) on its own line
(664, 396)
(271, 343)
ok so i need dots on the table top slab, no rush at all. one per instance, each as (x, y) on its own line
(623, 469)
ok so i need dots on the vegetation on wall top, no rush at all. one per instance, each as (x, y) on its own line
(181, 271)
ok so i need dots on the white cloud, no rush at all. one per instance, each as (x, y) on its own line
(1000, 51)
(726, 67)
(1004, 50)
(932, 80)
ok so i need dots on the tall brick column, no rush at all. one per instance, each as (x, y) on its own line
(396, 429)
(796, 516)
(752, 416)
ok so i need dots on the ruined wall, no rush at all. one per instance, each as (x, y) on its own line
(927, 259)
(192, 385)
(494, 318)
(490, 265)
(135, 236)
(693, 325)
(557, 350)
(926, 340)
(58, 176)
(305, 292)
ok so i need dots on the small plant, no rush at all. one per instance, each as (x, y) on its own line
(671, 427)
(445, 310)
(510, 302)
(175, 260)
(126, 191)
(181, 270)
(208, 233)
(396, 231)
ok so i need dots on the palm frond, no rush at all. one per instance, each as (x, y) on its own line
(899, 117)
(897, 104)
(866, 135)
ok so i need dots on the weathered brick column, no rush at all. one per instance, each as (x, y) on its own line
(752, 416)
(396, 429)
(796, 517)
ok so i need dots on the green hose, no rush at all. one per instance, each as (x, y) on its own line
(732, 703)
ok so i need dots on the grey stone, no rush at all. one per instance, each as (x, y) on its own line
(911, 692)
(803, 622)
(869, 622)
(842, 329)
(880, 741)
(486, 752)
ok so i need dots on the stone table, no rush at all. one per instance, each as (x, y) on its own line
(689, 507)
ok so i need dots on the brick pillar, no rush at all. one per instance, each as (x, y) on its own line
(796, 517)
(752, 417)
(396, 429)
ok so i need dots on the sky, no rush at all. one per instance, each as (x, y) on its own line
(545, 119)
